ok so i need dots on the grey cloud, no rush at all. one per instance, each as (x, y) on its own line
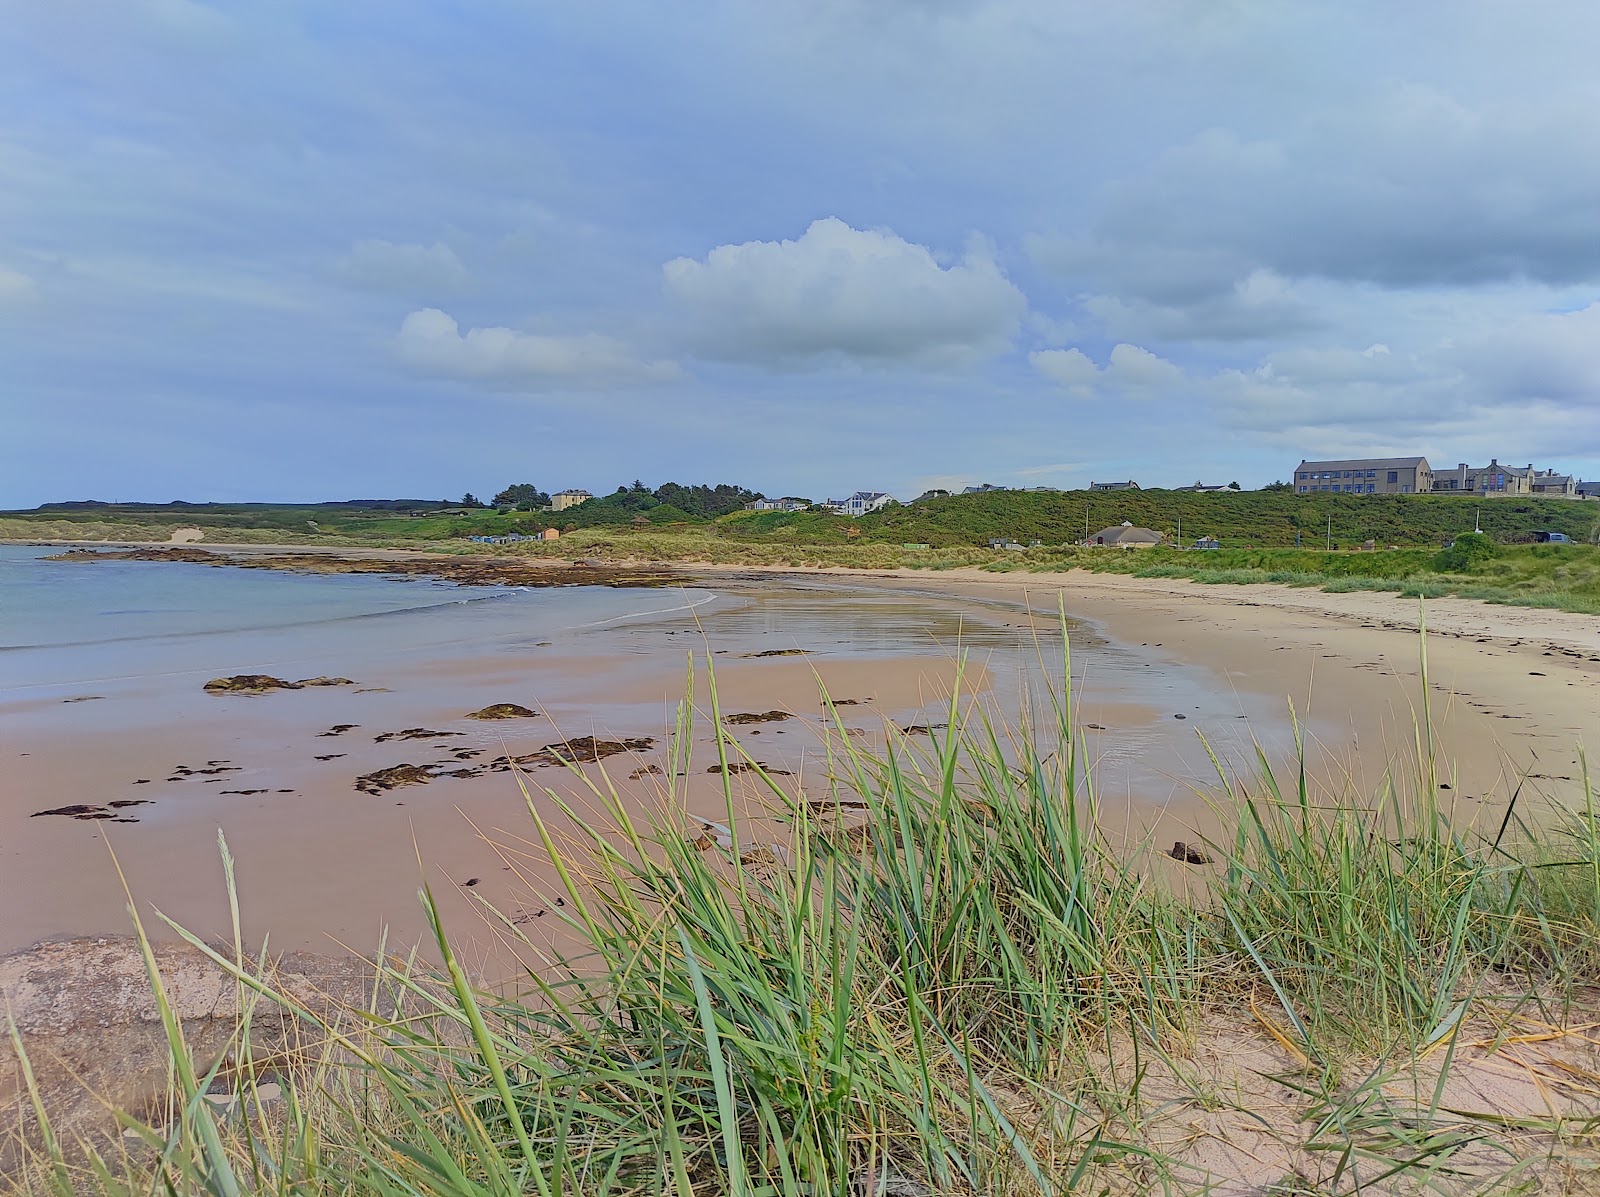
(843, 294)
(1409, 189)
(1258, 306)
(431, 342)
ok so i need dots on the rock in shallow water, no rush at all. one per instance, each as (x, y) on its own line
(503, 710)
(265, 683)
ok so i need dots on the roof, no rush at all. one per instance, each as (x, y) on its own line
(1366, 463)
(870, 495)
(1126, 533)
(574, 492)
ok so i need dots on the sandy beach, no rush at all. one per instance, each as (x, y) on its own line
(1157, 666)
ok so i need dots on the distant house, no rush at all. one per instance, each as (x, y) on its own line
(1205, 488)
(1586, 490)
(563, 499)
(1208, 542)
(550, 534)
(1128, 485)
(860, 503)
(788, 503)
(1365, 476)
(981, 488)
(1126, 536)
(936, 493)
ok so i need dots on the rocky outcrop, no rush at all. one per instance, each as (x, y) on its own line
(89, 1021)
(747, 717)
(265, 683)
(503, 710)
(464, 571)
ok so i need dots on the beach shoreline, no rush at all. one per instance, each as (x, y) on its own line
(1513, 693)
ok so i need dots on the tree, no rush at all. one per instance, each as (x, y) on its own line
(1275, 486)
(524, 496)
(470, 500)
(1234, 486)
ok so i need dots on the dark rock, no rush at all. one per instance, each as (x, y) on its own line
(249, 683)
(743, 718)
(338, 729)
(503, 710)
(265, 683)
(778, 652)
(85, 698)
(122, 803)
(749, 767)
(583, 750)
(331, 756)
(395, 776)
(650, 770)
(414, 733)
(1188, 853)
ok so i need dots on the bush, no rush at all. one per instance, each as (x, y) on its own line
(1469, 550)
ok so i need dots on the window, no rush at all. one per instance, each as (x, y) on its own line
(1372, 473)
(1394, 477)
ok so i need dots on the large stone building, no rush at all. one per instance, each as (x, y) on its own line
(1494, 480)
(1365, 476)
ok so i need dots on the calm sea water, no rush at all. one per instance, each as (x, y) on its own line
(75, 623)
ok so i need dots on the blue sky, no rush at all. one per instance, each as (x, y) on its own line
(315, 251)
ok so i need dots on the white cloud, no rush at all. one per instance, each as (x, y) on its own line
(431, 342)
(1070, 368)
(844, 294)
(388, 266)
(16, 288)
(1131, 372)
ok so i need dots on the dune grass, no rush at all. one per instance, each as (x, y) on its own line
(947, 975)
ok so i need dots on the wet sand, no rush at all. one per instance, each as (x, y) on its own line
(324, 864)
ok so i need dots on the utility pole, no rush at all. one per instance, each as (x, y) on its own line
(1329, 545)
(1475, 516)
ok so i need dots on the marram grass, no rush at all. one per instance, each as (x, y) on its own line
(948, 977)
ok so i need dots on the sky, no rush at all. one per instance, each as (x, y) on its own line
(307, 251)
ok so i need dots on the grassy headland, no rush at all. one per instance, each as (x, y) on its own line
(950, 976)
(1256, 529)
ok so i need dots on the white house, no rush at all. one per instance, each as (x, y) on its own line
(859, 503)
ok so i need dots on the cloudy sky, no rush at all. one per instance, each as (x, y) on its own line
(302, 250)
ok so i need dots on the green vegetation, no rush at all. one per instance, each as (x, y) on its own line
(707, 524)
(951, 974)
(1248, 519)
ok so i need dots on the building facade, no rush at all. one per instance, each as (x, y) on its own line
(859, 503)
(1495, 480)
(1128, 485)
(1365, 476)
(563, 499)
